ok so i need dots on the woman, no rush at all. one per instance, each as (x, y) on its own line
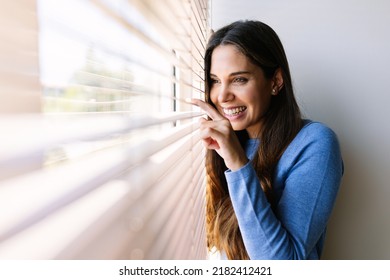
(272, 177)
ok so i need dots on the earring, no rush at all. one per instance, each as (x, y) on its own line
(273, 92)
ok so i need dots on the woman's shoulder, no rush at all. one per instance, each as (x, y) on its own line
(314, 135)
(314, 141)
(316, 131)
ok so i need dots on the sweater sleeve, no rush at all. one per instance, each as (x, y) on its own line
(309, 175)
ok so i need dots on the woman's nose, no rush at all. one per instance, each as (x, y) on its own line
(225, 94)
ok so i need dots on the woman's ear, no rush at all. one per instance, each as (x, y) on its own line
(277, 80)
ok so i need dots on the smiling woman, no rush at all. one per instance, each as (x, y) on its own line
(272, 176)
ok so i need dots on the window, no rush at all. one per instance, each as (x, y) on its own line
(111, 167)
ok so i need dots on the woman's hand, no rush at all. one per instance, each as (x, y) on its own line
(217, 134)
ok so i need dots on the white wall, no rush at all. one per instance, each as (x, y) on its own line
(339, 53)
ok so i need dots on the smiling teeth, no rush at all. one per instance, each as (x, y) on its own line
(234, 111)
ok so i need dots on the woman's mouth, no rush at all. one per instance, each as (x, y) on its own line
(233, 111)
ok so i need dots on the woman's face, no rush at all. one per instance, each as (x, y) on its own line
(239, 89)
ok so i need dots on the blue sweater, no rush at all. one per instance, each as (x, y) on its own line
(306, 182)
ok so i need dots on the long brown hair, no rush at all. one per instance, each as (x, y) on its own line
(262, 46)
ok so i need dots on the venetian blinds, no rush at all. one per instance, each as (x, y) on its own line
(19, 83)
(113, 167)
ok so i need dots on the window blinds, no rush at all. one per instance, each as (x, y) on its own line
(19, 82)
(115, 166)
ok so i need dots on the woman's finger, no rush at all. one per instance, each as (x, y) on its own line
(207, 108)
(210, 138)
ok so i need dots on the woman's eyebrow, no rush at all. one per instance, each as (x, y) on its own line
(233, 74)
(239, 73)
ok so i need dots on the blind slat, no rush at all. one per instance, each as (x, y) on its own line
(19, 80)
(26, 137)
(163, 16)
(173, 218)
(61, 228)
(155, 168)
(139, 33)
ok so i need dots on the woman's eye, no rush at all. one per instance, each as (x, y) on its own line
(214, 81)
(240, 80)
